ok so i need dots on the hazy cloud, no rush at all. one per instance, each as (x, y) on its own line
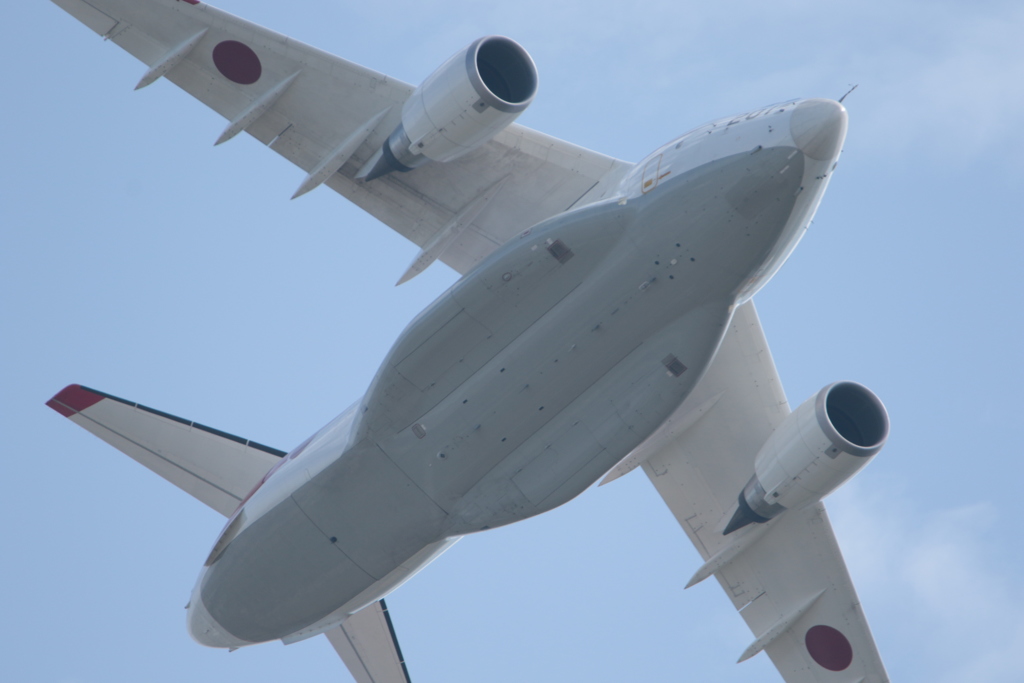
(941, 579)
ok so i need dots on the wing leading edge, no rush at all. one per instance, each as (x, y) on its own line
(787, 578)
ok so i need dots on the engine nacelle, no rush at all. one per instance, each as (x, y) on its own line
(820, 445)
(473, 96)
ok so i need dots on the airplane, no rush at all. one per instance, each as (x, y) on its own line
(604, 322)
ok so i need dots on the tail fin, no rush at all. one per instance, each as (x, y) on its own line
(217, 468)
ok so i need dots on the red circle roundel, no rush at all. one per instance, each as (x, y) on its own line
(829, 648)
(237, 62)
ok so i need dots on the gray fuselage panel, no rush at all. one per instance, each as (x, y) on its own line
(279, 575)
(519, 387)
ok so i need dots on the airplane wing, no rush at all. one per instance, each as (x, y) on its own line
(310, 107)
(366, 642)
(787, 578)
(218, 468)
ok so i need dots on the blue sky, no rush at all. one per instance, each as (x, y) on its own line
(139, 260)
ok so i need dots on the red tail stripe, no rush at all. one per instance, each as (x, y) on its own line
(72, 399)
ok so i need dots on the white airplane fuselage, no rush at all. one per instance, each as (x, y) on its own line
(527, 380)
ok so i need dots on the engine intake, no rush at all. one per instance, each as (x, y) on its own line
(817, 448)
(473, 96)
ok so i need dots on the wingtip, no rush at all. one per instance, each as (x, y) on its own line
(74, 398)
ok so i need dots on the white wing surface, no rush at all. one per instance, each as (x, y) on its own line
(366, 642)
(787, 578)
(219, 469)
(310, 107)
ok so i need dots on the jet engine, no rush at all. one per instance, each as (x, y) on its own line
(473, 96)
(819, 446)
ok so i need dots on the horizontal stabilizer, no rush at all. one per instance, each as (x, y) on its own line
(366, 642)
(219, 469)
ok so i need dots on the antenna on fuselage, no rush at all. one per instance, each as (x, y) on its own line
(847, 93)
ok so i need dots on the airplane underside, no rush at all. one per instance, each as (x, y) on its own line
(529, 379)
(603, 323)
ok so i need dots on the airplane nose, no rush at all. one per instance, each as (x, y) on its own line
(819, 127)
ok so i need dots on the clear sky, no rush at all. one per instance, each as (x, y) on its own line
(139, 260)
